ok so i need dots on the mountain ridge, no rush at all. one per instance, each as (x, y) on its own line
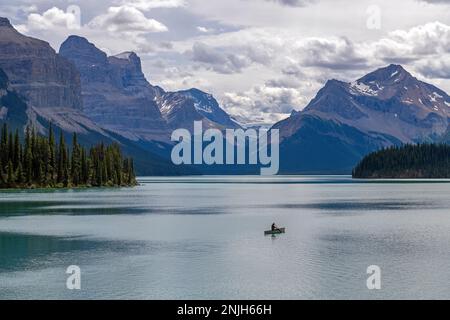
(386, 107)
(116, 92)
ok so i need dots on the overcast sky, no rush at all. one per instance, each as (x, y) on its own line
(259, 58)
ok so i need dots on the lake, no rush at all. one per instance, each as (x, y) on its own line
(203, 238)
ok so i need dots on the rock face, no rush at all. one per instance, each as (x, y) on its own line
(345, 121)
(49, 83)
(116, 94)
(13, 110)
(35, 71)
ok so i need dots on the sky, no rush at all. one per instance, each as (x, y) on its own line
(260, 59)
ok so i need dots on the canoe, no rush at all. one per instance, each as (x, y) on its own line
(280, 230)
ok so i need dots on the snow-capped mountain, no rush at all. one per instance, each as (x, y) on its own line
(347, 120)
(181, 108)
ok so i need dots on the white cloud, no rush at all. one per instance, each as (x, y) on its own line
(218, 60)
(126, 19)
(293, 3)
(332, 53)
(435, 67)
(52, 18)
(262, 104)
(204, 30)
(433, 37)
(270, 102)
(147, 5)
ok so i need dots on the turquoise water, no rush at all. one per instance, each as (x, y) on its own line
(202, 238)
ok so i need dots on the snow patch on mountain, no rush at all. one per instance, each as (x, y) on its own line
(124, 55)
(360, 88)
(203, 107)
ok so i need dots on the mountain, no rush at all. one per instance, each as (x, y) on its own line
(182, 108)
(346, 121)
(117, 96)
(115, 93)
(47, 82)
(37, 72)
(39, 87)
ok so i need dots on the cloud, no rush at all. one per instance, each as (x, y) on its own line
(426, 39)
(204, 30)
(436, 1)
(270, 102)
(435, 68)
(293, 3)
(126, 19)
(147, 5)
(50, 19)
(217, 60)
(333, 53)
(414, 46)
(262, 104)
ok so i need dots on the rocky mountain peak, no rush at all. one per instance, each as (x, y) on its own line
(129, 61)
(384, 83)
(81, 50)
(4, 22)
(391, 74)
(116, 93)
(36, 72)
(129, 56)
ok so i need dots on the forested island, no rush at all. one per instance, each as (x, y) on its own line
(40, 162)
(408, 161)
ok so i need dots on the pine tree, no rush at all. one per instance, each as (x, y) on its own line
(61, 158)
(75, 161)
(17, 150)
(40, 162)
(19, 174)
(52, 155)
(10, 178)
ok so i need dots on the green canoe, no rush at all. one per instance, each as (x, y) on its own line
(278, 231)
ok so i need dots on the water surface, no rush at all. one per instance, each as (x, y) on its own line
(202, 238)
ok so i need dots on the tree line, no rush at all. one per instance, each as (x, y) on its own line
(40, 162)
(407, 161)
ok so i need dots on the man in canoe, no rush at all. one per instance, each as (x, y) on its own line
(274, 227)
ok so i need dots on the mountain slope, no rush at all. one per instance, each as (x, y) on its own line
(345, 121)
